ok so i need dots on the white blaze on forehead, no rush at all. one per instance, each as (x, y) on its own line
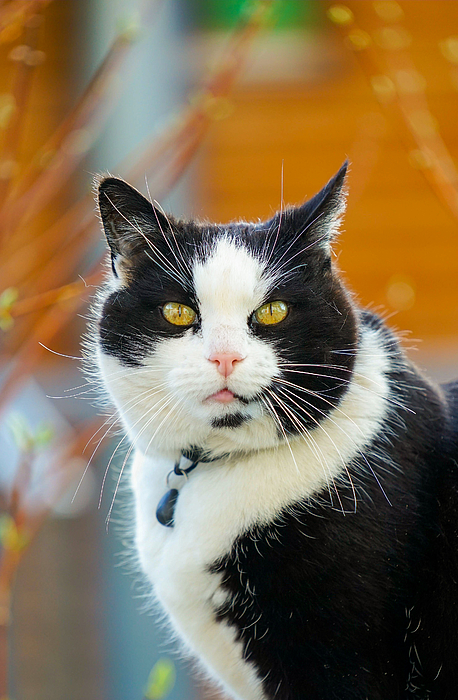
(229, 281)
(229, 286)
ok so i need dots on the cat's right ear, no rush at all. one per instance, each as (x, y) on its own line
(130, 221)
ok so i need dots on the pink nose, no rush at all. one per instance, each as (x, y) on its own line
(226, 362)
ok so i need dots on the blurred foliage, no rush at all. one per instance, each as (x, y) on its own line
(7, 299)
(11, 536)
(224, 14)
(161, 680)
(25, 439)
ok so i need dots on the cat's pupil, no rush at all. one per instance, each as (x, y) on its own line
(178, 314)
(271, 313)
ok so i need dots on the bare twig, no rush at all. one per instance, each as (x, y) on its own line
(58, 158)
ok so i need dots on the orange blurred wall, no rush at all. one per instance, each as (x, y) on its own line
(399, 246)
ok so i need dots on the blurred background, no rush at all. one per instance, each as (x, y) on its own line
(225, 107)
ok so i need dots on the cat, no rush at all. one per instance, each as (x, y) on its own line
(294, 475)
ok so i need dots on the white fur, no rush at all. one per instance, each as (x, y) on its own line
(220, 500)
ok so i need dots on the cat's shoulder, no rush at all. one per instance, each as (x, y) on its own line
(450, 391)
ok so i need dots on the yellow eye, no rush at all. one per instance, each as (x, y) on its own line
(271, 313)
(178, 314)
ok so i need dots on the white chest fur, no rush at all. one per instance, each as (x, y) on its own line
(176, 561)
(219, 502)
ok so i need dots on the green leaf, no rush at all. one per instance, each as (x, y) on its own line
(43, 436)
(20, 431)
(8, 297)
(10, 537)
(161, 680)
(6, 320)
(23, 436)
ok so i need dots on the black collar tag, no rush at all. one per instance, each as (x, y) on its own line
(165, 510)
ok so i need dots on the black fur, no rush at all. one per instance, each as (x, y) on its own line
(331, 601)
(231, 420)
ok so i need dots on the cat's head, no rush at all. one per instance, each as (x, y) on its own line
(224, 337)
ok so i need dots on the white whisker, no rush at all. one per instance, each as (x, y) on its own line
(321, 427)
(328, 417)
(60, 354)
(132, 447)
(313, 444)
(125, 437)
(279, 423)
(340, 379)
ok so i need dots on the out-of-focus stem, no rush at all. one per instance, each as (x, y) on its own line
(26, 63)
(27, 526)
(165, 154)
(5, 612)
(59, 157)
(53, 296)
(18, 12)
(30, 352)
(199, 115)
(20, 262)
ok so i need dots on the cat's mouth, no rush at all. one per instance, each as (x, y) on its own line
(223, 396)
(226, 396)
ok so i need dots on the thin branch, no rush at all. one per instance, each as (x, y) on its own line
(54, 296)
(26, 59)
(203, 107)
(14, 15)
(160, 156)
(24, 526)
(59, 157)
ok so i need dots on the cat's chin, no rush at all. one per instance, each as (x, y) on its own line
(231, 420)
(218, 429)
(229, 411)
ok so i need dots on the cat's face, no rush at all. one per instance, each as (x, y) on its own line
(223, 337)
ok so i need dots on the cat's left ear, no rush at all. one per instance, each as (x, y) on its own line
(319, 218)
(130, 221)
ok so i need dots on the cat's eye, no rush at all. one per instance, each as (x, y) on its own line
(271, 313)
(178, 314)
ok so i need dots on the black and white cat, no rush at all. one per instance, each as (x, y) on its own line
(294, 475)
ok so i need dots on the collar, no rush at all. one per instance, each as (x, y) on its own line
(166, 507)
(198, 454)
